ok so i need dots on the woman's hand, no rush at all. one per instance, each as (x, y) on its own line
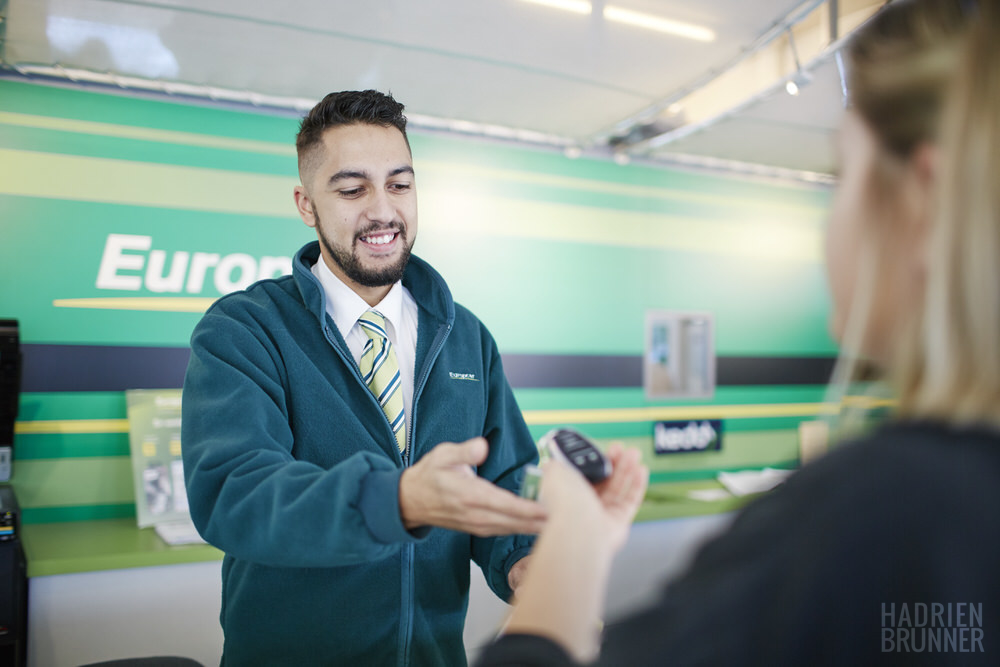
(608, 507)
(565, 584)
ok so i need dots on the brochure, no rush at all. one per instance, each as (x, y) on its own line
(154, 417)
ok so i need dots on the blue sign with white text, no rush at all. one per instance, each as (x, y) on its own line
(675, 437)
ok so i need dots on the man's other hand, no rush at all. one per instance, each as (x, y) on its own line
(442, 489)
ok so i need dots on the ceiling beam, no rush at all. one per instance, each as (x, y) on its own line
(788, 51)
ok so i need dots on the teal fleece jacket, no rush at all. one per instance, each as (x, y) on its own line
(292, 470)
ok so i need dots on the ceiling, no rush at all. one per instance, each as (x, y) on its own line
(512, 69)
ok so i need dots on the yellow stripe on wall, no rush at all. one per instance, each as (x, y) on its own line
(171, 304)
(447, 215)
(435, 169)
(666, 413)
(52, 176)
(71, 426)
(145, 134)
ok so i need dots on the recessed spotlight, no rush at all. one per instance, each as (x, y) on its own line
(797, 82)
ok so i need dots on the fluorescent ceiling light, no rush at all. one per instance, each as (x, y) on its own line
(633, 18)
(650, 22)
(576, 6)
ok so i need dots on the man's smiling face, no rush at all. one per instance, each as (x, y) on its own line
(362, 200)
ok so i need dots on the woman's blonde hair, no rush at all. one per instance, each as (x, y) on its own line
(925, 72)
(950, 366)
(901, 62)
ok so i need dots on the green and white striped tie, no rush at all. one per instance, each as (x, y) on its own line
(380, 371)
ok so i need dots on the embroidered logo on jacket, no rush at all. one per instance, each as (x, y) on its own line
(464, 376)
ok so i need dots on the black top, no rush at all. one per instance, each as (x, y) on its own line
(886, 551)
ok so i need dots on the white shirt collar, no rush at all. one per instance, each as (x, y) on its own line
(345, 306)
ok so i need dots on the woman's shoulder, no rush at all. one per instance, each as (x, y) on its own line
(899, 455)
(903, 477)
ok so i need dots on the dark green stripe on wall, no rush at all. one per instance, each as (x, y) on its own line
(60, 514)
(56, 368)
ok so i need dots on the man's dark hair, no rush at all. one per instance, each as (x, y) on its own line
(347, 108)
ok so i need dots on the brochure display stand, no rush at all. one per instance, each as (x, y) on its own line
(154, 417)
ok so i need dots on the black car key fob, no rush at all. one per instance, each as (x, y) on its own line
(575, 449)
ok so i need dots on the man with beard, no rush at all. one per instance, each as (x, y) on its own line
(349, 438)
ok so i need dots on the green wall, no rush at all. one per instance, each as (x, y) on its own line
(521, 236)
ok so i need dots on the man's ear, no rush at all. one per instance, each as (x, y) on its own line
(304, 206)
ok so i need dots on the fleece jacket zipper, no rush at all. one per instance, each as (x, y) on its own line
(406, 629)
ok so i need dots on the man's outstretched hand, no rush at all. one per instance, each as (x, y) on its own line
(442, 489)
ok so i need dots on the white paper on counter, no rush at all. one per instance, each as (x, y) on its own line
(709, 495)
(746, 482)
(178, 532)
